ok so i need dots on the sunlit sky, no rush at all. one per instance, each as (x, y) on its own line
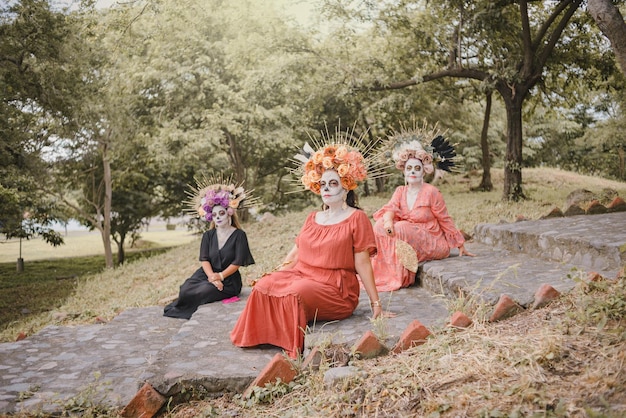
(300, 10)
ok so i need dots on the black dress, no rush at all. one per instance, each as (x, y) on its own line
(197, 290)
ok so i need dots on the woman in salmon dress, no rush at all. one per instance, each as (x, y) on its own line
(415, 214)
(318, 279)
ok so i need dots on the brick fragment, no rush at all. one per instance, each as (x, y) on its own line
(593, 276)
(617, 205)
(574, 210)
(145, 404)
(414, 334)
(369, 346)
(278, 367)
(505, 308)
(460, 320)
(313, 360)
(544, 295)
(595, 208)
(554, 213)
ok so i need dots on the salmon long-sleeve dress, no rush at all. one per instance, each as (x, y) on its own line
(426, 226)
(322, 285)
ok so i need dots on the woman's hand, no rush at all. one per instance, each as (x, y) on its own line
(216, 280)
(379, 313)
(388, 225)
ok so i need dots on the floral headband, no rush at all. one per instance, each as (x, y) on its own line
(217, 191)
(409, 144)
(340, 153)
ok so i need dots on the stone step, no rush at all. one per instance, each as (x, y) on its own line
(594, 242)
(496, 271)
(61, 365)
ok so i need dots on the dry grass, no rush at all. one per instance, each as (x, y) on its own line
(557, 361)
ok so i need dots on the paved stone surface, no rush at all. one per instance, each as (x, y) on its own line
(108, 363)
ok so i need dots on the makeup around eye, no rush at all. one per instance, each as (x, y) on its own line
(332, 183)
(220, 213)
(411, 168)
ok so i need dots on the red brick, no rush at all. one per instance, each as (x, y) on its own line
(369, 346)
(414, 334)
(544, 295)
(278, 367)
(593, 276)
(460, 320)
(595, 208)
(145, 404)
(505, 308)
(554, 213)
(617, 205)
(313, 360)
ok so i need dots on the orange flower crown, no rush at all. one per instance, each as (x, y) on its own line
(339, 153)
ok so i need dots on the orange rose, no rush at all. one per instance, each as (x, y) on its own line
(327, 162)
(343, 169)
(348, 183)
(317, 157)
(310, 165)
(329, 151)
(341, 152)
(314, 176)
(315, 188)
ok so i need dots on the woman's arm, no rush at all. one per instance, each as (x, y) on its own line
(363, 267)
(291, 259)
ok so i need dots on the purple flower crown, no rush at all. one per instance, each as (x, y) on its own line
(214, 198)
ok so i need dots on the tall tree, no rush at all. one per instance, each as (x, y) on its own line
(514, 47)
(611, 23)
(35, 81)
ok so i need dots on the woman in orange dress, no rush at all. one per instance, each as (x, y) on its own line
(318, 279)
(416, 214)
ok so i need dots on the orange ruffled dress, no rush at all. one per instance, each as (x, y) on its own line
(322, 286)
(426, 226)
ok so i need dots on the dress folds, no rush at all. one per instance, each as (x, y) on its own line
(426, 226)
(197, 290)
(322, 285)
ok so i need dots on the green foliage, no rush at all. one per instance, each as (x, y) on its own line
(34, 82)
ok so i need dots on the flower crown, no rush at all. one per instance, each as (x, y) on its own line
(216, 191)
(339, 153)
(425, 144)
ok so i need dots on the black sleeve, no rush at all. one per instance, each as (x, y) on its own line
(243, 256)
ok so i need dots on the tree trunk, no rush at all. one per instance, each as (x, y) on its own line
(611, 22)
(486, 184)
(108, 197)
(513, 160)
(121, 255)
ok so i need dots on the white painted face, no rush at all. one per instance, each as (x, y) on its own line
(220, 216)
(330, 188)
(414, 171)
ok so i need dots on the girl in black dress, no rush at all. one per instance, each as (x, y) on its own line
(223, 250)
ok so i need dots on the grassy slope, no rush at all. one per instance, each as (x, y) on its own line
(494, 367)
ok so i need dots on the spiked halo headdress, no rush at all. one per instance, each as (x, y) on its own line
(216, 190)
(344, 151)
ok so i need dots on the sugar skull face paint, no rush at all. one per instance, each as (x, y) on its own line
(220, 215)
(414, 171)
(330, 187)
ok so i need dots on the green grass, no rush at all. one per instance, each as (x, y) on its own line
(44, 285)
